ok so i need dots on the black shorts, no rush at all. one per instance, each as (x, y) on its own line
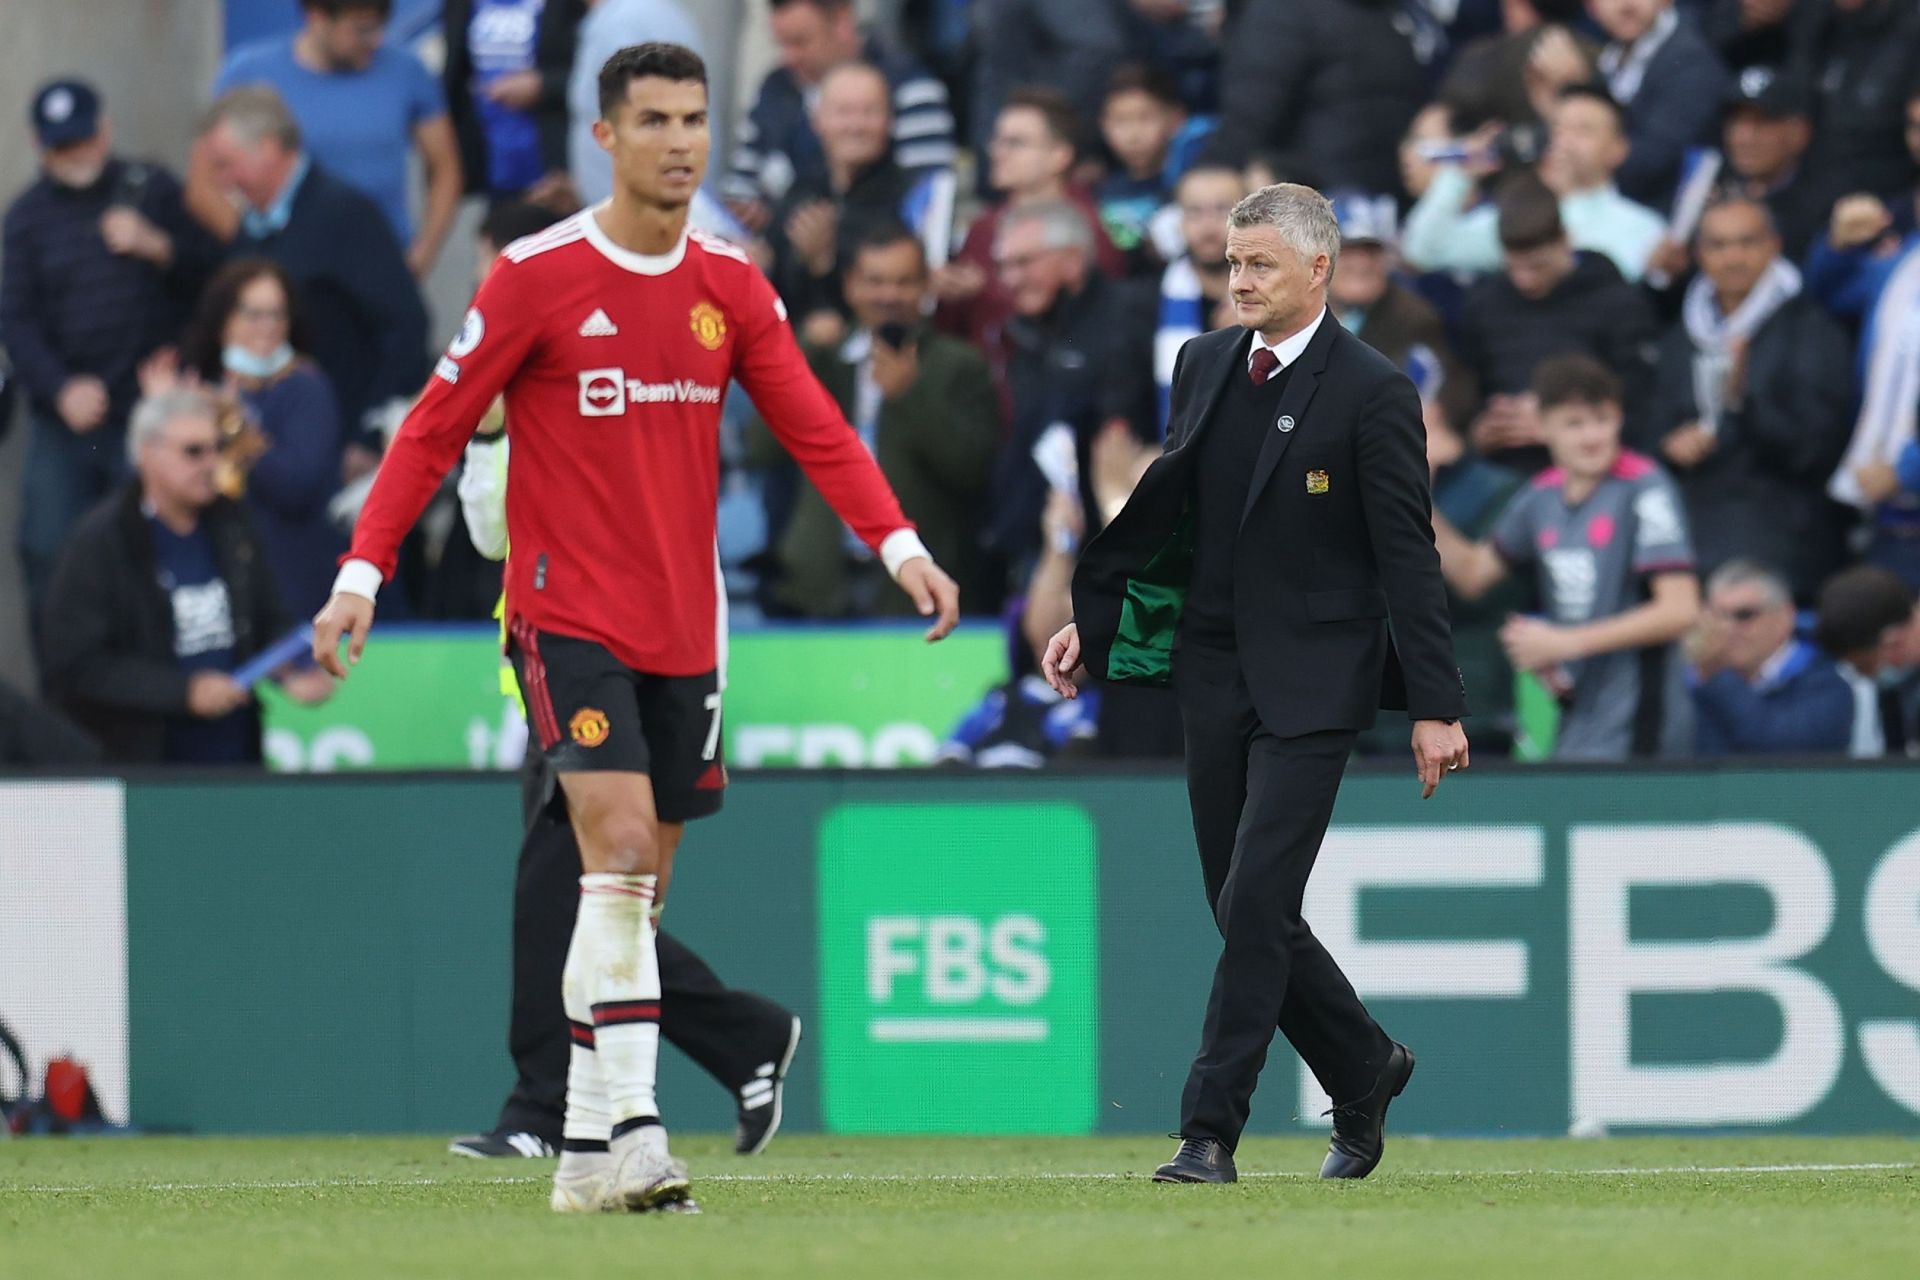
(590, 712)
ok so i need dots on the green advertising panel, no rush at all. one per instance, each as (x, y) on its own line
(428, 697)
(957, 944)
(1592, 950)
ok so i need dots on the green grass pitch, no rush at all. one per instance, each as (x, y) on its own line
(980, 1208)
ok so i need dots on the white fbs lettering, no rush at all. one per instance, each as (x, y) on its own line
(606, 393)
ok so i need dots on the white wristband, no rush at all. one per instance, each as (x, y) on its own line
(899, 547)
(357, 578)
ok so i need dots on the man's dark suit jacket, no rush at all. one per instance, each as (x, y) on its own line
(1338, 600)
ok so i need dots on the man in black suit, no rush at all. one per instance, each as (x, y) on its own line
(1257, 568)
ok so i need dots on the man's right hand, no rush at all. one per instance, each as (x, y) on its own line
(1061, 664)
(346, 616)
(1858, 220)
(212, 694)
(83, 403)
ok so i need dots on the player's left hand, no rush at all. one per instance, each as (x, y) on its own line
(932, 592)
(349, 617)
(1534, 644)
(1438, 749)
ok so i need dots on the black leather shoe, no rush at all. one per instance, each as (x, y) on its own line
(1199, 1160)
(1360, 1128)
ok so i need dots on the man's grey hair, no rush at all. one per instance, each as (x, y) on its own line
(1303, 217)
(153, 414)
(1062, 224)
(253, 112)
(1740, 573)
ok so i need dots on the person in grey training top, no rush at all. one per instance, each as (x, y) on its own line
(1606, 536)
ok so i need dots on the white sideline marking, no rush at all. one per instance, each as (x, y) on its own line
(320, 1183)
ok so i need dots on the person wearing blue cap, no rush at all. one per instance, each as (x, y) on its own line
(99, 265)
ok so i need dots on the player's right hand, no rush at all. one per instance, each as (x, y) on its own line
(346, 615)
(1061, 664)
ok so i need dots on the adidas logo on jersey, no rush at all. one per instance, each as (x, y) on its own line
(598, 325)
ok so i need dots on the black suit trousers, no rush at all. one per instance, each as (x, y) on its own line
(1261, 805)
(728, 1034)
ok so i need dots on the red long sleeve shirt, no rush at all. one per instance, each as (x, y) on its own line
(614, 365)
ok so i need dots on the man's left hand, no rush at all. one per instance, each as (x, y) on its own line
(1534, 645)
(1438, 748)
(933, 593)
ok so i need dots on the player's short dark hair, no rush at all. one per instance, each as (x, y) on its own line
(888, 234)
(336, 8)
(1529, 214)
(510, 220)
(656, 58)
(1055, 110)
(1857, 606)
(1592, 92)
(1573, 379)
(1141, 77)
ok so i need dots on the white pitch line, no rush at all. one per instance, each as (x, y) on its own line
(328, 1183)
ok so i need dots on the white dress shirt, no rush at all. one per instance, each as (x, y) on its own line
(1287, 349)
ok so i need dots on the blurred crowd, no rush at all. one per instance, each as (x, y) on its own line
(1650, 263)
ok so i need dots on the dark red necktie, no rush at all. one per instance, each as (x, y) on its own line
(1264, 363)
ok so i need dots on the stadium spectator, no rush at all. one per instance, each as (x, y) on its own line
(1548, 301)
(1760, 689)
(1664, 75)
(1385, 314)
(923, 403)
(1331, 83)
(610, 26)
(1588, 144)
(1181, 40)
(160, 595)
(824, 215)
(1060, 345)
(1139, 119)
(1192, 287)
(1750, 32)
(1868, 620)
(1490, 79)
(1606, 538)
(363, 108)
(101, 262)
(1858, 57)
(366, 318)
(1030, 161)
(777, 145)
(1764, 138)
(508, 64)
(1752, 405)
(1862, 272)
(250, 337)
(1071, 46)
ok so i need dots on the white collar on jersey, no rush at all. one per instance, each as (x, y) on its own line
(646, 264)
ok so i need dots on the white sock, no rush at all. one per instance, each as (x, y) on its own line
(587, 1128)
(622, 980)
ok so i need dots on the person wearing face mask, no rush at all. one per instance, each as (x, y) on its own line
(249, 337)
(100, 264)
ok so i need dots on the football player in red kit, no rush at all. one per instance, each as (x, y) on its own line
(613, 336)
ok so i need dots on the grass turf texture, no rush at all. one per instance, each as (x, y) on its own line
(900, 1207)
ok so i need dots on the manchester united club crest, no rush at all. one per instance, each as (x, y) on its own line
(1316, 482)
(708, 325)
(588, 727)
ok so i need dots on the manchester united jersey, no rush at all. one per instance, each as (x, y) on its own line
(614, 365)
